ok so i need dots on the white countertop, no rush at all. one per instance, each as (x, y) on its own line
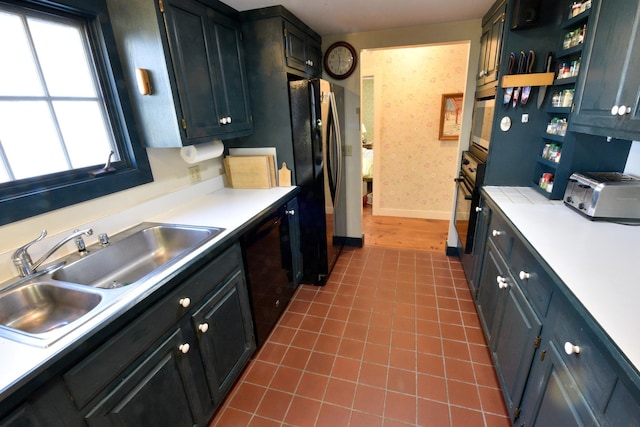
(214, 206)
(596, 260)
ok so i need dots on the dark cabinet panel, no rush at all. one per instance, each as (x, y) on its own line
(552, 397)
(515, 343)
(160, 391)
(491, 43)
(608, 90)
(491, 290)
(225, 335)
(195, 61)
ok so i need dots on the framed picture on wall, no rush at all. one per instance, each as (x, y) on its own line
(450, 116)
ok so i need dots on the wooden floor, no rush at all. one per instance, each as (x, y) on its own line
(404, 233)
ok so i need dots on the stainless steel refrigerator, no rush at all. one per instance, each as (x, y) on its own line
(317, 117)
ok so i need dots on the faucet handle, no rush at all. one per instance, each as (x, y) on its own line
(22, 250)
(22, 259)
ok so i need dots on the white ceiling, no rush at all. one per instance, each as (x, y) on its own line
(329, 17)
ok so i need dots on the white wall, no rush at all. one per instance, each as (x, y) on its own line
(411, 36)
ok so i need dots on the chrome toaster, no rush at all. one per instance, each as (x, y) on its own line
(604, 196)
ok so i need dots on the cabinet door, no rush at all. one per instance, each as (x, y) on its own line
(295, 47)
(291, 231)
(611, 76)
(194, 63)
(232, 95)
(493, 285)
(479, 245)
(225, 335)
(491, 47)
(162, 390)
(22, 417)
(515, 342)
(552, 397)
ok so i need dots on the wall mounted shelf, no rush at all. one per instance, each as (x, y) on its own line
(533, 79)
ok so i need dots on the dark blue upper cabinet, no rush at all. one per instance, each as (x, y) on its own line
(608, 91)
(193, 53)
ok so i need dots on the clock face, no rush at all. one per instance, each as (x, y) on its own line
(340, 60)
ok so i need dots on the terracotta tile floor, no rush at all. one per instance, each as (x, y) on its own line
(392, 339)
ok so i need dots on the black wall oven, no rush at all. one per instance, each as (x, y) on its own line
(468, 183)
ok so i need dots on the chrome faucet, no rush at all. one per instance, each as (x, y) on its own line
(22, 260)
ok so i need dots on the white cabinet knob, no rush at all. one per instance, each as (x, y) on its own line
(184, 348)
(225, 120)
(229, 120)
(203, 327)
(478, 209)
(524, 275)
(569, 348)
(290, 212)
(185, 302)
(496, 233)
(502, 282)
(620, 110)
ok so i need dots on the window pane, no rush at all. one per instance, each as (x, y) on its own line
(62, 56)
(32, 150)
(86, 138)
(18, 74)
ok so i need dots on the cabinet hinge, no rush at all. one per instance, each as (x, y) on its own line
(183, 122)
(543, 355)
(537, 341)
(516, 414)
(161, 6)
(284, 31)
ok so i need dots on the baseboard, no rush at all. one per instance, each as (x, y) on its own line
(353, 242)
(452, 251)
(408, 213)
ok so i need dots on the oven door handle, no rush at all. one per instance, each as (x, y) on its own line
(468, 195)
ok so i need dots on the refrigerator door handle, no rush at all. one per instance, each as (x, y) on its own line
(335, 152)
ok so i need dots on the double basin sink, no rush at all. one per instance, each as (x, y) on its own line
(42, 308)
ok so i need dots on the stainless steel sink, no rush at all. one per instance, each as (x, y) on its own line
(44, 310)
(44, 307)
(134, 254)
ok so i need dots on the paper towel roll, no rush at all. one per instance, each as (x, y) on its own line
(200, 152)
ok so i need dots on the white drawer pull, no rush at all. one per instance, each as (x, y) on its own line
(478, 209)
(203, 327)
(524, 275)
(185, 302)
(496, 233)
(184, 348)
(569, 348)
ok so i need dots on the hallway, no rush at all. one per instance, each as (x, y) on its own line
(393, 339)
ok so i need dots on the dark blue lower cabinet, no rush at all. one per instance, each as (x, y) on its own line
(555, 364)
(514, 344)
(552, 397)
(162, 390)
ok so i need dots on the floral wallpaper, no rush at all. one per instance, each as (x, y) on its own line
(416, 171)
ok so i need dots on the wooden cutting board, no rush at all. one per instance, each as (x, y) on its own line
(284, 176)
(250, 171)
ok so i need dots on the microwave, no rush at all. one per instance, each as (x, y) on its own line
(482, 123)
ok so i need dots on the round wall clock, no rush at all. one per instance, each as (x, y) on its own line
(340, 60)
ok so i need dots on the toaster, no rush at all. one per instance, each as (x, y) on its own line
(604, 196)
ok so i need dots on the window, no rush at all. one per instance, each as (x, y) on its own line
(62, 111)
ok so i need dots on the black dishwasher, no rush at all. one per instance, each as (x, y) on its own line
(273, 265)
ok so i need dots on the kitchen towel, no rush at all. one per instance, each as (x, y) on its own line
(200, 152)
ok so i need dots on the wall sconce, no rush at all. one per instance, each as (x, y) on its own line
(144, 83)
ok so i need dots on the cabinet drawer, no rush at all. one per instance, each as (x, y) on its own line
(501, 234)
(111, 360)
(591, 368)
(535, 282)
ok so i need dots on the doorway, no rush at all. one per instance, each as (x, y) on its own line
(412, 170)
